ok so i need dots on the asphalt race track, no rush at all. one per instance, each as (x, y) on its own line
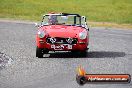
(110, 52)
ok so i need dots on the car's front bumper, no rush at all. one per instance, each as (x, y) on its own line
(81, 46)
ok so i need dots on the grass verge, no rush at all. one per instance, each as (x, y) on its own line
(113, 11)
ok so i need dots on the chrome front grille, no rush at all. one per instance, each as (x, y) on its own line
(58, 40)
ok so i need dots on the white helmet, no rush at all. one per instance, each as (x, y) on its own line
(52, 19)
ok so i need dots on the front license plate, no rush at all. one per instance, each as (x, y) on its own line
(61, 47)
(57, 47)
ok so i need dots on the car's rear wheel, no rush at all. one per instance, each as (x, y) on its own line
(40, 52)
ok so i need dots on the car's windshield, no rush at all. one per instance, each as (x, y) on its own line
(61, 20)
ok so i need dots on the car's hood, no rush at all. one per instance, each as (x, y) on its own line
(62, 31)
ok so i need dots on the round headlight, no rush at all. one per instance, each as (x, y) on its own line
(83, 35)
(41, 34)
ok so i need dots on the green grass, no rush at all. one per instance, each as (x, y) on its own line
(116, 11)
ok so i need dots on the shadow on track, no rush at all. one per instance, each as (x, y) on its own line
(91, 54)
(105, 54)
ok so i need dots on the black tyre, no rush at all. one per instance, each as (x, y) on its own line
(81, 80)
(39, 52)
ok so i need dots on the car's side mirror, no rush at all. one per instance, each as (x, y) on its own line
(37, 25)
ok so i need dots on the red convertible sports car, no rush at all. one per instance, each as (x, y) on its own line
(62, 32)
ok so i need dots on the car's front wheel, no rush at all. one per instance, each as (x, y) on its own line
(40, 52)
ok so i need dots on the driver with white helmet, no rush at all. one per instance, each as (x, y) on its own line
(52, 19)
